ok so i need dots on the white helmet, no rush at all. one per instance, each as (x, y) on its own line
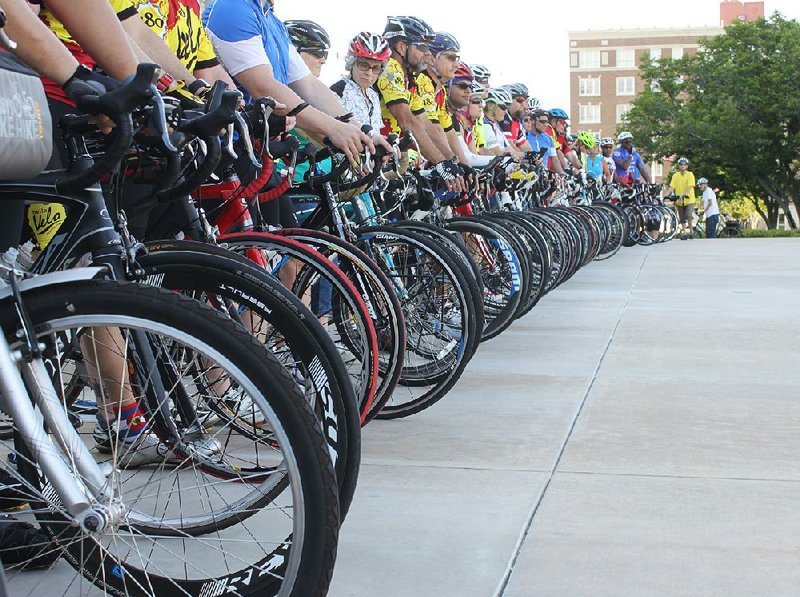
(480, 71)
(702, 181)
(499, 96)
(624, 135)
(684, 161)
(606, 141)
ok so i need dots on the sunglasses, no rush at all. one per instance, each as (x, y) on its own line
(422, 47)
(367, 67)
(477, 101)
(527, 120)
(543, 120)
(316, 53)
(463, 85)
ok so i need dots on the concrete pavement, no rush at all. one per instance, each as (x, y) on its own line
(637, 434)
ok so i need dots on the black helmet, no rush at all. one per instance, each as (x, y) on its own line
(307, 35)
(409, 29)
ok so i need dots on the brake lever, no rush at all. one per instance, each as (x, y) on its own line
(159, 119)
(229, 142)
(244, 133)
(266, 112)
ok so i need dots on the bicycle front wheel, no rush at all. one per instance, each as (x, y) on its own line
(287, 546)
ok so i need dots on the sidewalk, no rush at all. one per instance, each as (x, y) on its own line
(637, 434)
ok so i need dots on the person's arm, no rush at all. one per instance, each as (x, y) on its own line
(155, 49)
(418, 127)
(437, 135)
(472, 158)
(36, 44)
(260, 82)
(101, 35)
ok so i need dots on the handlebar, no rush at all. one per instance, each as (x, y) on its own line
(117, 105)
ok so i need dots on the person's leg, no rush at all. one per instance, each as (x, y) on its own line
(690, 219)
(711, 226)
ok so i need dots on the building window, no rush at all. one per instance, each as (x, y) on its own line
(677, 53)
(590, 58)
(589, 114)
(604, 58)
(657, 169)
(626, 86)
(573, 59)
(655, 54)
(626, 58)
(589, 87)
(622, 112)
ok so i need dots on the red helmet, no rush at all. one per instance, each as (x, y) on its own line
(463, 72)
(370, 45)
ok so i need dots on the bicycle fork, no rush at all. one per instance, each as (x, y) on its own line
(86, 497)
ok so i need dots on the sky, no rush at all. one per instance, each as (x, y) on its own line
(523, 42)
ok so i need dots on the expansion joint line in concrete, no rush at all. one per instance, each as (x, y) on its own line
(523, 537)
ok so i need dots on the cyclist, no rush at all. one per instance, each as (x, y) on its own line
(592, 161)
(682, 184)
(710, 207)
(402, 103)
(255, 49)
(607, 148)
(629, 165)
(512, 125)
(465, 107)
(496, 106)
(566, 155)
(440, 72)
(312, 42)
(366, 60)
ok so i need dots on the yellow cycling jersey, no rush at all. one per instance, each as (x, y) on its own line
(395, 87)
(427, 94)
(479, 134)
(178, 23)
(124, 9)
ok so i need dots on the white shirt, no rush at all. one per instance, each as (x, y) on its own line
(366, 109)
(710, 202)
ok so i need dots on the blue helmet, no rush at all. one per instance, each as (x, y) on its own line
(559, 114)
(444, 42)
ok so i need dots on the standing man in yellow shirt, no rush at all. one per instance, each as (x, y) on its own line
(682, 184)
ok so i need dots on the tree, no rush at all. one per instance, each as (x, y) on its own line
(733, 109)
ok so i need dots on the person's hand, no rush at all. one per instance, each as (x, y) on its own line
(85, 83)
(451, 175)
(381, 141)
(351, 140)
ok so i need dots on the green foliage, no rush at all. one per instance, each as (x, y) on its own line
(774, 233)
(733, 109)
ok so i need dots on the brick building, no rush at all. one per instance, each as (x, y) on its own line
(604, 67)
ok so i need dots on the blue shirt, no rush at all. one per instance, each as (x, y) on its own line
(621, 155)
(246, 33)
(540, 141)
(593, 166)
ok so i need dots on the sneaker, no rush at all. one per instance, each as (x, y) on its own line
(201, 445)
(22, 544)
(84, 407)
(145, 449)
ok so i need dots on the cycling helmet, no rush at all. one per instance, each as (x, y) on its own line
(587, 139)
(499, 96)
(409, 29)
(558, 114)
(463, 73)
(444, 42)
(370, 45)
(607, 142)
(572, 138)
(480, 71)
(533, 104)
(517, 89)
(307, 35)
(684, 161)
(702, 181)
(624, 136)
(477, 88)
